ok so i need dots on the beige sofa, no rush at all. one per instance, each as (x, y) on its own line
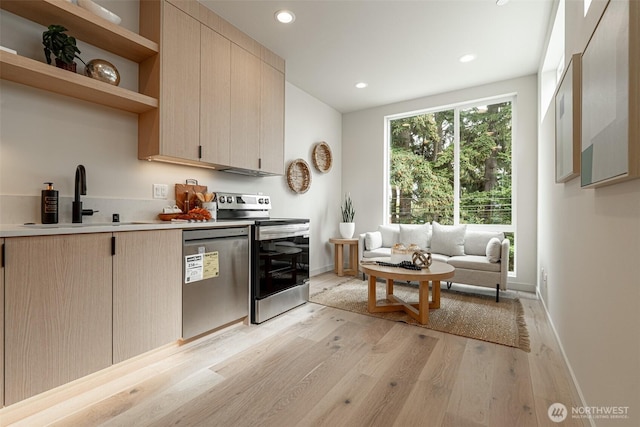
(481, 258)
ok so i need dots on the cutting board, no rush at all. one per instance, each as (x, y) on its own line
(188, 191)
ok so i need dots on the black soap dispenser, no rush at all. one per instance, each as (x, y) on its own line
(49, 205)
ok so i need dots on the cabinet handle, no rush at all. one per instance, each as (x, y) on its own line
(2, 255)
(260, 163)
(113, 245)
(199, 151)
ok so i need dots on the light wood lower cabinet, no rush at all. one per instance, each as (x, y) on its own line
(147, 291)
(58, 316)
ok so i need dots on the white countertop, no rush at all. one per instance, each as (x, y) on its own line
(22, 230)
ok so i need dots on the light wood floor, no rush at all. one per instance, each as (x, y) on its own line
(318, 366)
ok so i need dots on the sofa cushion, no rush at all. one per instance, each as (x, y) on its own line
(375, 253)
(418, 234)
(390, 235)
(474, 262)
(372, 240)
(448, 239)
(439, 257)
(475, 242)
(494, 249)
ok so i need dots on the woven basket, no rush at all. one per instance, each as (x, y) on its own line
(299, 176)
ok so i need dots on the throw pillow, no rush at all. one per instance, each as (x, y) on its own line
(494, 249)
(475, 242)
(415, 234)
(390, 235)
(372, 240)
(448, 239)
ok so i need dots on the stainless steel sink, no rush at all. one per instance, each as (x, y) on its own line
(85, 224)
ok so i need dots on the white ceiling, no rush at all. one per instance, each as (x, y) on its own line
(402, 49)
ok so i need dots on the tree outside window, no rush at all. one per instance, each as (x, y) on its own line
(453, 166)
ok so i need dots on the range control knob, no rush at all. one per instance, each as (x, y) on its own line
(221, 199)
(260, 201)
(229, 199)
(266, 201)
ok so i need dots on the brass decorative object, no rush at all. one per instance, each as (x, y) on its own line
(422, 259)
(102, 70)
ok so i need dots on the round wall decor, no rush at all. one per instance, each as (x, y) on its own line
(322, 158)
(299, 176)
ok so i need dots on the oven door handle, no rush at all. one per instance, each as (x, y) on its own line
(272, 232)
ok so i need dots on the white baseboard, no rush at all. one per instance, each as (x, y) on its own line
(564, 356)
(524, 287)
(317, 271)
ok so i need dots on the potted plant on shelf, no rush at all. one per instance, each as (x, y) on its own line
(62, 46)
(347, 226)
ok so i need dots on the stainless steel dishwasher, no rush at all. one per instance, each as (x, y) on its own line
(215, 285)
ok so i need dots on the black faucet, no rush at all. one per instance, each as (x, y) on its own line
(80, 189)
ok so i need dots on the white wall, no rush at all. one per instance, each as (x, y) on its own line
(364, 150)
(43, 137)
(589, 245)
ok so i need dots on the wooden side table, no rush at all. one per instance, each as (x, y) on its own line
(339, 256)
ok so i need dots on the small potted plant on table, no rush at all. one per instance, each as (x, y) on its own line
(347, 226)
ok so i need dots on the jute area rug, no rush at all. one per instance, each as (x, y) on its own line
(473, 316)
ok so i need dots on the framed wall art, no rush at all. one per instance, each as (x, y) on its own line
(610, 147)
(568, 126)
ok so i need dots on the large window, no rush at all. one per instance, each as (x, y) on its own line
(453, 165)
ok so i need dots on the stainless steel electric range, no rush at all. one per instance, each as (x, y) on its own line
(279, 254)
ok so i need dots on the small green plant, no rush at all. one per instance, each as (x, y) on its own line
(348, 212)
(61, 45)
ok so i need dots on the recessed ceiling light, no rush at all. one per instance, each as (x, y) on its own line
(285, 16)
(361, 85)
(467, 58)
(501, 2)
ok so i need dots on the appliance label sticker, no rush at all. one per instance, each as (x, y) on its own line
(193, 268)
(211, 265)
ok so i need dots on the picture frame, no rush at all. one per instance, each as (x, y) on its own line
(568, 101)
(610, 146)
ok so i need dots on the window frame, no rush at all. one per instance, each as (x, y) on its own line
(457, 107)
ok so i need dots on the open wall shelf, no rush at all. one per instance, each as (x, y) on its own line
(85, 26)
(48, 77)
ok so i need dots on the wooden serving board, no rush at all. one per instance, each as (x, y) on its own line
(189, 190)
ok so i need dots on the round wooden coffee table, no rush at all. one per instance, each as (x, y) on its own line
(419, 311)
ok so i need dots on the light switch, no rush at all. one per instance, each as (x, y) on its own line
(160, 191)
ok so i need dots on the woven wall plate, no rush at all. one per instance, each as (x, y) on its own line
(299, 176)
(322, 158)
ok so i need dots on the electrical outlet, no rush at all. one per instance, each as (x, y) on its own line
(160, 191)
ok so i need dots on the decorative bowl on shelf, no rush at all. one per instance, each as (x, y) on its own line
(102, 70)
(100, 11)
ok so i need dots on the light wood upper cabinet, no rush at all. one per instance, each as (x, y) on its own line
(272, 120)
(245, 108)
(147, 291)
(58, 318)
(235, 108)
(215, 96)
(180, 88)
